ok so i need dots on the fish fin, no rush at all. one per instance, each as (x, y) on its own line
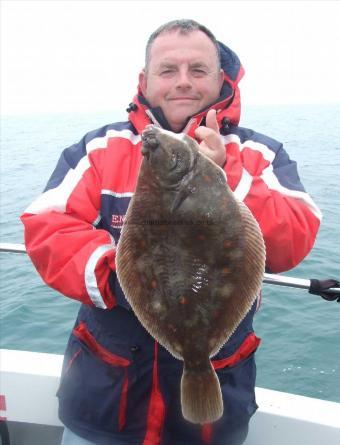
(255, 254)
(201, 395)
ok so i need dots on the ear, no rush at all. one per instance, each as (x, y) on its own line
(221, 77)
(142, 81)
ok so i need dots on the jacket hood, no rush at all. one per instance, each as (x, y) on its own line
(228, 105)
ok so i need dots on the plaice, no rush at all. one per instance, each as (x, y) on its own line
(190, 261)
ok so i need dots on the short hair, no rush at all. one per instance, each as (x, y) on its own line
(184, 26)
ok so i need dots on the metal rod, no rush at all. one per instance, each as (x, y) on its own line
(278, 280)
(11, 247)
(298, 283)
(286, 281)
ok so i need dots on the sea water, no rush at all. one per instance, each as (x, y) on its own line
(300, 350)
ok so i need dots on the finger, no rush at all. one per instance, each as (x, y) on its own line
(211, 121)
(218, 156)
(209, 136)
(206, 150)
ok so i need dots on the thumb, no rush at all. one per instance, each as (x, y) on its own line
(211, 121)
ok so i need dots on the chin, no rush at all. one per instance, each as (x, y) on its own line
(180, 122)
(178, 126)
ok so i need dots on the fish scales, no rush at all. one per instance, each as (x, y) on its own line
(190, 261)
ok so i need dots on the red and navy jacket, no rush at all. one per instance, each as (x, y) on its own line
(71, 234)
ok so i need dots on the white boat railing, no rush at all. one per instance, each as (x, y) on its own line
(29, 382)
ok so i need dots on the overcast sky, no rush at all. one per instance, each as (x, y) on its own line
(86, 55)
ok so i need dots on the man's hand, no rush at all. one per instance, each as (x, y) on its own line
(211, 145)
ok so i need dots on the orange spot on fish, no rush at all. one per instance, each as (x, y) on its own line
(201, 237)
(225, 270)
(153, 284)
(206, 178)
(183, 300)
(227, 244)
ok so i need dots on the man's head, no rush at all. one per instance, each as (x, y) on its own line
(182, 73)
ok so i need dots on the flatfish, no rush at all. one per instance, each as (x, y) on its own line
(190, 261)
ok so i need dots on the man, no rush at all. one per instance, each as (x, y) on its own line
(118, 385)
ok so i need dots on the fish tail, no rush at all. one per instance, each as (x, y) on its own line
(201, 395)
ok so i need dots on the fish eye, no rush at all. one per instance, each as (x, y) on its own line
(174, 161)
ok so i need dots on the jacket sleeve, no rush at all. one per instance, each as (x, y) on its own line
(270, 186)
(69, 254)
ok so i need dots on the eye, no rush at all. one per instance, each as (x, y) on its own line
(174, 161)
(198, 72)
(167, 72)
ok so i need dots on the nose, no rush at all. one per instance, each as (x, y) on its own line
(183, 80)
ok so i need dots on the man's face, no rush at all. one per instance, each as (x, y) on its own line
(183, 75)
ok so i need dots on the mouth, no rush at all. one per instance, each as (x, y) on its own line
(149, 139)
(183, 98)
(145, 153)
